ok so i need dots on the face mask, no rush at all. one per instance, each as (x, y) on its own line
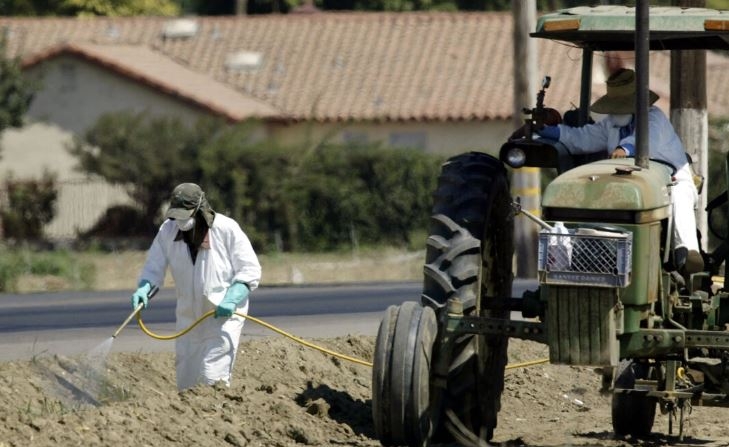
(185, 225)
(621, 120)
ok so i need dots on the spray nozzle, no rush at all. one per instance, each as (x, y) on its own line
(152, 293)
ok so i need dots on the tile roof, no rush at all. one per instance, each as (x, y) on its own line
(334, 66)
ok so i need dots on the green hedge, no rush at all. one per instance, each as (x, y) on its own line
(304, 197)
(321, 198)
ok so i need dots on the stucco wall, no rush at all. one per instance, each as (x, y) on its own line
(28, 151)
(82, 200)
(75, 93)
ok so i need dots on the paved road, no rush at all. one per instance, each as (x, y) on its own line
(74, 323)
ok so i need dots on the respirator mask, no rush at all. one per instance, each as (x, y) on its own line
(189, 223)
(186, 224)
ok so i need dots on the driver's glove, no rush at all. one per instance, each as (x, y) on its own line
(549, 132)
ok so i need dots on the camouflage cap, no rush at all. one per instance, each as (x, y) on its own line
(186, 199)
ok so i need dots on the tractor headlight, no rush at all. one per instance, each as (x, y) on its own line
(515, 157)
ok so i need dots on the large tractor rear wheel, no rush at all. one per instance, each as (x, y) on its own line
(401, 375)
(469, 257)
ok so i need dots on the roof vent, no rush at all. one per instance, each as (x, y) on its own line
(180, 29)
(244, 61)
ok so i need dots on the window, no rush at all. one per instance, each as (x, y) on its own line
(413, 140)
(354, 138)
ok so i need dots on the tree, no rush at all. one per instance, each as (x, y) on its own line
(89, 7)
(147, 155)
(229, 7)
(16, 92)
(120, 7)
(244, 177)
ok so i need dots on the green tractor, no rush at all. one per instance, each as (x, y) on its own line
(660, 337)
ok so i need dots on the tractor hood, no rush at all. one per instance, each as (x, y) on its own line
(610, 191)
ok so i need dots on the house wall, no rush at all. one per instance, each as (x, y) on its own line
(75, 93)
(41, 147)
(448, 138)
(72, 96)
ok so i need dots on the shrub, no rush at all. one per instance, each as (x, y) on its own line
(31, 204)
(148, 155)
(62, 264)
(318, 198)
(10, 270)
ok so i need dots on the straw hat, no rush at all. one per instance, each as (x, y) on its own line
(620, 96)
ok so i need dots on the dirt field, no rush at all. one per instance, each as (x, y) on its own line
(285, 394)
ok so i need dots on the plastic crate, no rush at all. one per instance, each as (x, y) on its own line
(585, 257)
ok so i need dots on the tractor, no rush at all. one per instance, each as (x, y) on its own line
(616, 303)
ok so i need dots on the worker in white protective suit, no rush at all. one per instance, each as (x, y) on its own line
(213, 266)
(615, 134)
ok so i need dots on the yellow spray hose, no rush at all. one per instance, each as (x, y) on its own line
(146, 330)
(255, 320)
(525, 364)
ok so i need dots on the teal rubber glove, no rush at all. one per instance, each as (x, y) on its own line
(236, 294)
(142, 294)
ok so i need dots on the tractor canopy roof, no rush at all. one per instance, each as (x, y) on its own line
(612, 28)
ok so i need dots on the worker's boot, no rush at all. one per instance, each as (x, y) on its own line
(688, 261)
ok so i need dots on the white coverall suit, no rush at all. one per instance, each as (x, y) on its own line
(665, 146)
(207, 353)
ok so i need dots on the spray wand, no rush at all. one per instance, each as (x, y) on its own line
(139, 307)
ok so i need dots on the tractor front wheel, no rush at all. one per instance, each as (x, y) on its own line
(401, 375)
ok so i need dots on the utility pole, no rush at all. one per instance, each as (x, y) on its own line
(689, 114)
(240, 7)
(525, 181)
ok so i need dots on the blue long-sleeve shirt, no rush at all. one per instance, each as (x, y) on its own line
(605, 135)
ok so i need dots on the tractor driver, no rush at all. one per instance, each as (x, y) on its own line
(615, 134)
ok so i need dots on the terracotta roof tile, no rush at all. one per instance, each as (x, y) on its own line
(349, 66)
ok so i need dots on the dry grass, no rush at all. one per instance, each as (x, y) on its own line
(119, 270)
